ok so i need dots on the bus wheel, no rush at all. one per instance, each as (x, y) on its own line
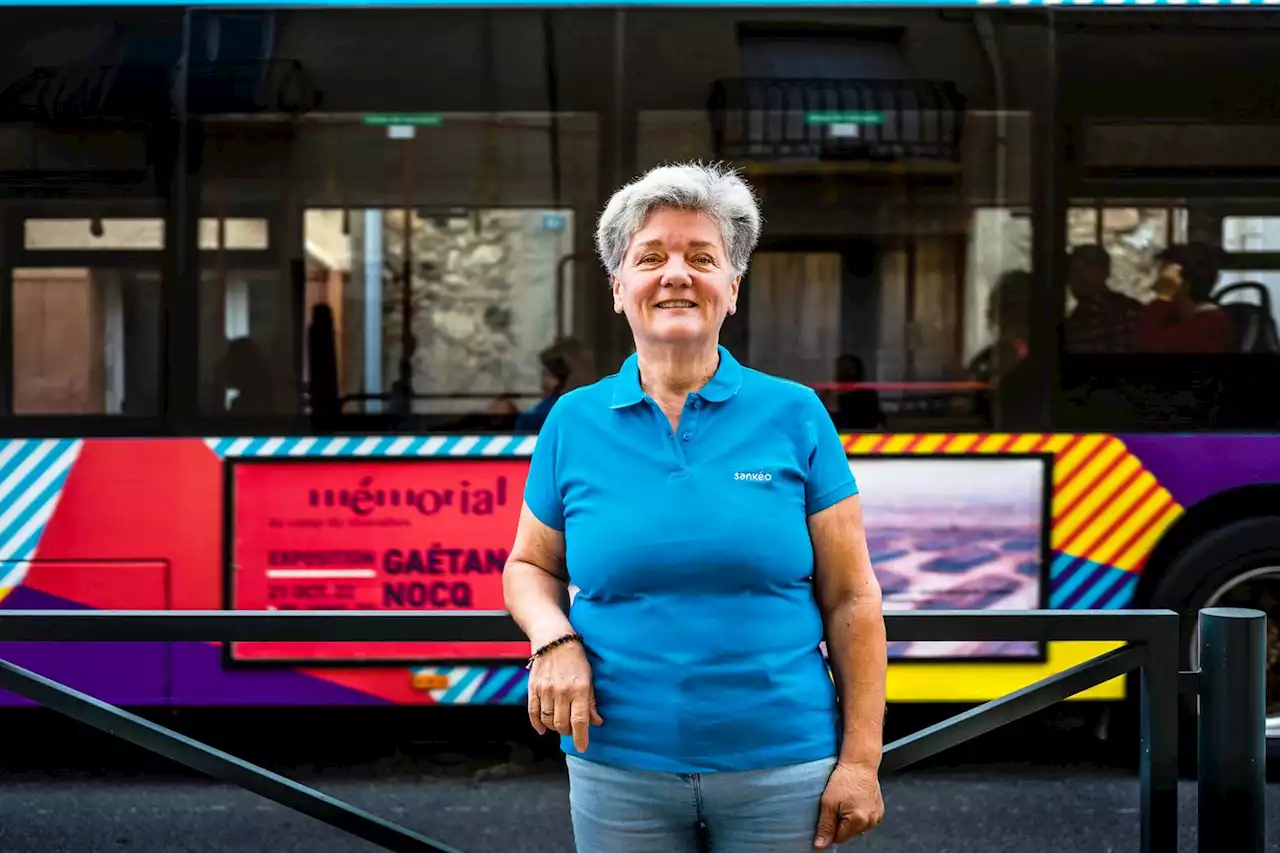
(1237, 565)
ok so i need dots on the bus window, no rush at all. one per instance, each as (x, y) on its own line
(86, 341)
(895, 271)
(441, 313)
(84, 302)
(1252, 277)
(246, 320)
(1171, 261)
(431, 242)
(42, 234)
(1112, 265)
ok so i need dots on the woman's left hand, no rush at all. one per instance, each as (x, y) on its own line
(851, 804)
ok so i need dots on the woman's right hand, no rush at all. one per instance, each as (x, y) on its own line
(1169, 283)
(561, 697)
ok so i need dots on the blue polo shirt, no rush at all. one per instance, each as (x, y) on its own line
(691, 553)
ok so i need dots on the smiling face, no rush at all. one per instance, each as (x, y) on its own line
(676, 284)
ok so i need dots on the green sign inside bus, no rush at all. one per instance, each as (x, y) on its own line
(404, 119)
(844, 117)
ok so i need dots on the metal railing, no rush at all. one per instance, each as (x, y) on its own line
(778, 119)
(1230, 684)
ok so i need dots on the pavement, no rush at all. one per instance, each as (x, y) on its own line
(80, 793)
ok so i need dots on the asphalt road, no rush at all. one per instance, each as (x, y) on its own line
(480, 784)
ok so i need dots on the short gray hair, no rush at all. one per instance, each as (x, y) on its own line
(714, 190)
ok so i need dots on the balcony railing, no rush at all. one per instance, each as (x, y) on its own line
(782, 119)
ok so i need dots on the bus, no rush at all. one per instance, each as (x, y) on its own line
(286, 293)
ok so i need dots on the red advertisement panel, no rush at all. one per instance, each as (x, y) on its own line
(372, 534)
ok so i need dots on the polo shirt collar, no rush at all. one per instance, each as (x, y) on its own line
(723, 385)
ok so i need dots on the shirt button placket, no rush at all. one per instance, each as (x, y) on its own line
(689, 423)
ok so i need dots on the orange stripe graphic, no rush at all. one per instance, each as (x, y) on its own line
(1068, 463)
(1107, 529)
(930, 443)
(1134, 526)
(961, 443)
(1090, 475)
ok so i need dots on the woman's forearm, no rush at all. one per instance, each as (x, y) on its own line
(537, 600)
(856, 648)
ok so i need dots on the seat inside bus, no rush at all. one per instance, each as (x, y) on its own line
(1254, 323)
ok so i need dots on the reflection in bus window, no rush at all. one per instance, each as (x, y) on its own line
(566, 364)
(874, 278)
(234, 233)
(86, 341)
(93, 234)
(1003, 366)
(440, 312)
(246, 345)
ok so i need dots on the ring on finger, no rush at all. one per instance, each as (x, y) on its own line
(547, 714)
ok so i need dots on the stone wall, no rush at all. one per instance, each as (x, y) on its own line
(1000, 241)
(483, 294)
(1133, 237)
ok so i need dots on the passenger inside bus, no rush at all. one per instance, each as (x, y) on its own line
(1104, 321)
(1003, 364)
(565, 366)
(1183, 317)
(246, 377)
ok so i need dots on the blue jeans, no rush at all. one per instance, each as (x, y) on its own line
(638, 811)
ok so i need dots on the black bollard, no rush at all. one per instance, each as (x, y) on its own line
(1232, 749)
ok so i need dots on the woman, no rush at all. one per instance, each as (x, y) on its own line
(708, 518)
(1183, 318)
(1010, 397)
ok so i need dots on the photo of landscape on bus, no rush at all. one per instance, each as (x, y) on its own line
(949, 533)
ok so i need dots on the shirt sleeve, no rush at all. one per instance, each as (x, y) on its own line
(542, 487)
(830, 480)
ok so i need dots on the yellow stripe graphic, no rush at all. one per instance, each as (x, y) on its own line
(1064, 467)
(930, 443)
(1055, 444)
(864, 443)
(1106, 551)
(1024, 444)
(1090, 475)
(1141, 549)
(992, 443)
(897, 444)
(1083, 542)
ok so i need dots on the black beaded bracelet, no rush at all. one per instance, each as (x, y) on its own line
(558, 641)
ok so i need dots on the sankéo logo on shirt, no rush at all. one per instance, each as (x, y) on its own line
(756, 476)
